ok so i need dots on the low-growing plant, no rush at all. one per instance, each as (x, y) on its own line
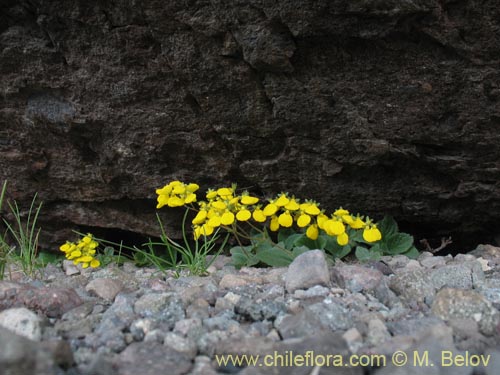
(191, 255)
(275, 232)
(24, 236)
(82, 252)
(272, 232)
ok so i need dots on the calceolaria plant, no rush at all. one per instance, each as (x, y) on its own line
(83, 252)
(298, 225)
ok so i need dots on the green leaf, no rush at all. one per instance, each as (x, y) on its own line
(45, 258)
(284, 233)
(398, 243)
(319, 243)
(108, 251)
(362, 253)
(413, 253)
(365, 255)
(388, 226)
(140, 259)
(274, 257)
(290, 241)
(243, 256)
(299, 250)
(340, 251)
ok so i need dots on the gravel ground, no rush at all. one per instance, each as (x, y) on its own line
(442, 313)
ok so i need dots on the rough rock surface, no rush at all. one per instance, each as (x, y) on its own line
(378, 106)
(183, 326)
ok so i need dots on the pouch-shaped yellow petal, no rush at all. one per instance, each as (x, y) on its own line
(214, 222)
(224, 192)
(274, 225)
(74, 254)
(179, 189)
(192, 187)
(211, 194)
(343, 239)
(341, 212)
(219, 205)
(292, 205)
(94, 263)
(175, 202)
(312, 232)
(246, 199)
(321, 220)
(312, 209)
(270, 209)
(258, 216)
(190, 198)
(303, 220)
(282, 200)
(358, 223)
(66, 247)
(86, 259)
(200, 217)
(243, 215)
(371, 234)
(334, 227)
(206, 230)
(227, 218)
(285, 220)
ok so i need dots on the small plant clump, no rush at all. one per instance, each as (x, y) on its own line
(271, 232)
(300, 226)
(19, 242)
(82, 252)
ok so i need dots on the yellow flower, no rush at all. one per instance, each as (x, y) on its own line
(282, 200)
(312, 232)
(303, 220)
(179, 189)
(248, 200)
(371, 234)
(292, 205)
(211, 194)
(66, 247)
(162, 200)
(200, 217)
(341, 212)
(270, 209)
(219, 205)
(214, 222)
(175, 202)
(321, 220)
(82, 252)
(224, 192)
(207, 229)
(258, 216)
(192, 187)
(285, 219)
(74, 254)
(358, 223)
(334, 227)
(190, 198)
(244, 215)
(312, 209)
(343, 239)
(274, 225)
(227, 218)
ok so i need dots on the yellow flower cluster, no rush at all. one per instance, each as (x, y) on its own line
(284, 211)
(82, 252)
(176, 194)
(224, 208)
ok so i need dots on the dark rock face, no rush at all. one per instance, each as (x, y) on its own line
(378, 106)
